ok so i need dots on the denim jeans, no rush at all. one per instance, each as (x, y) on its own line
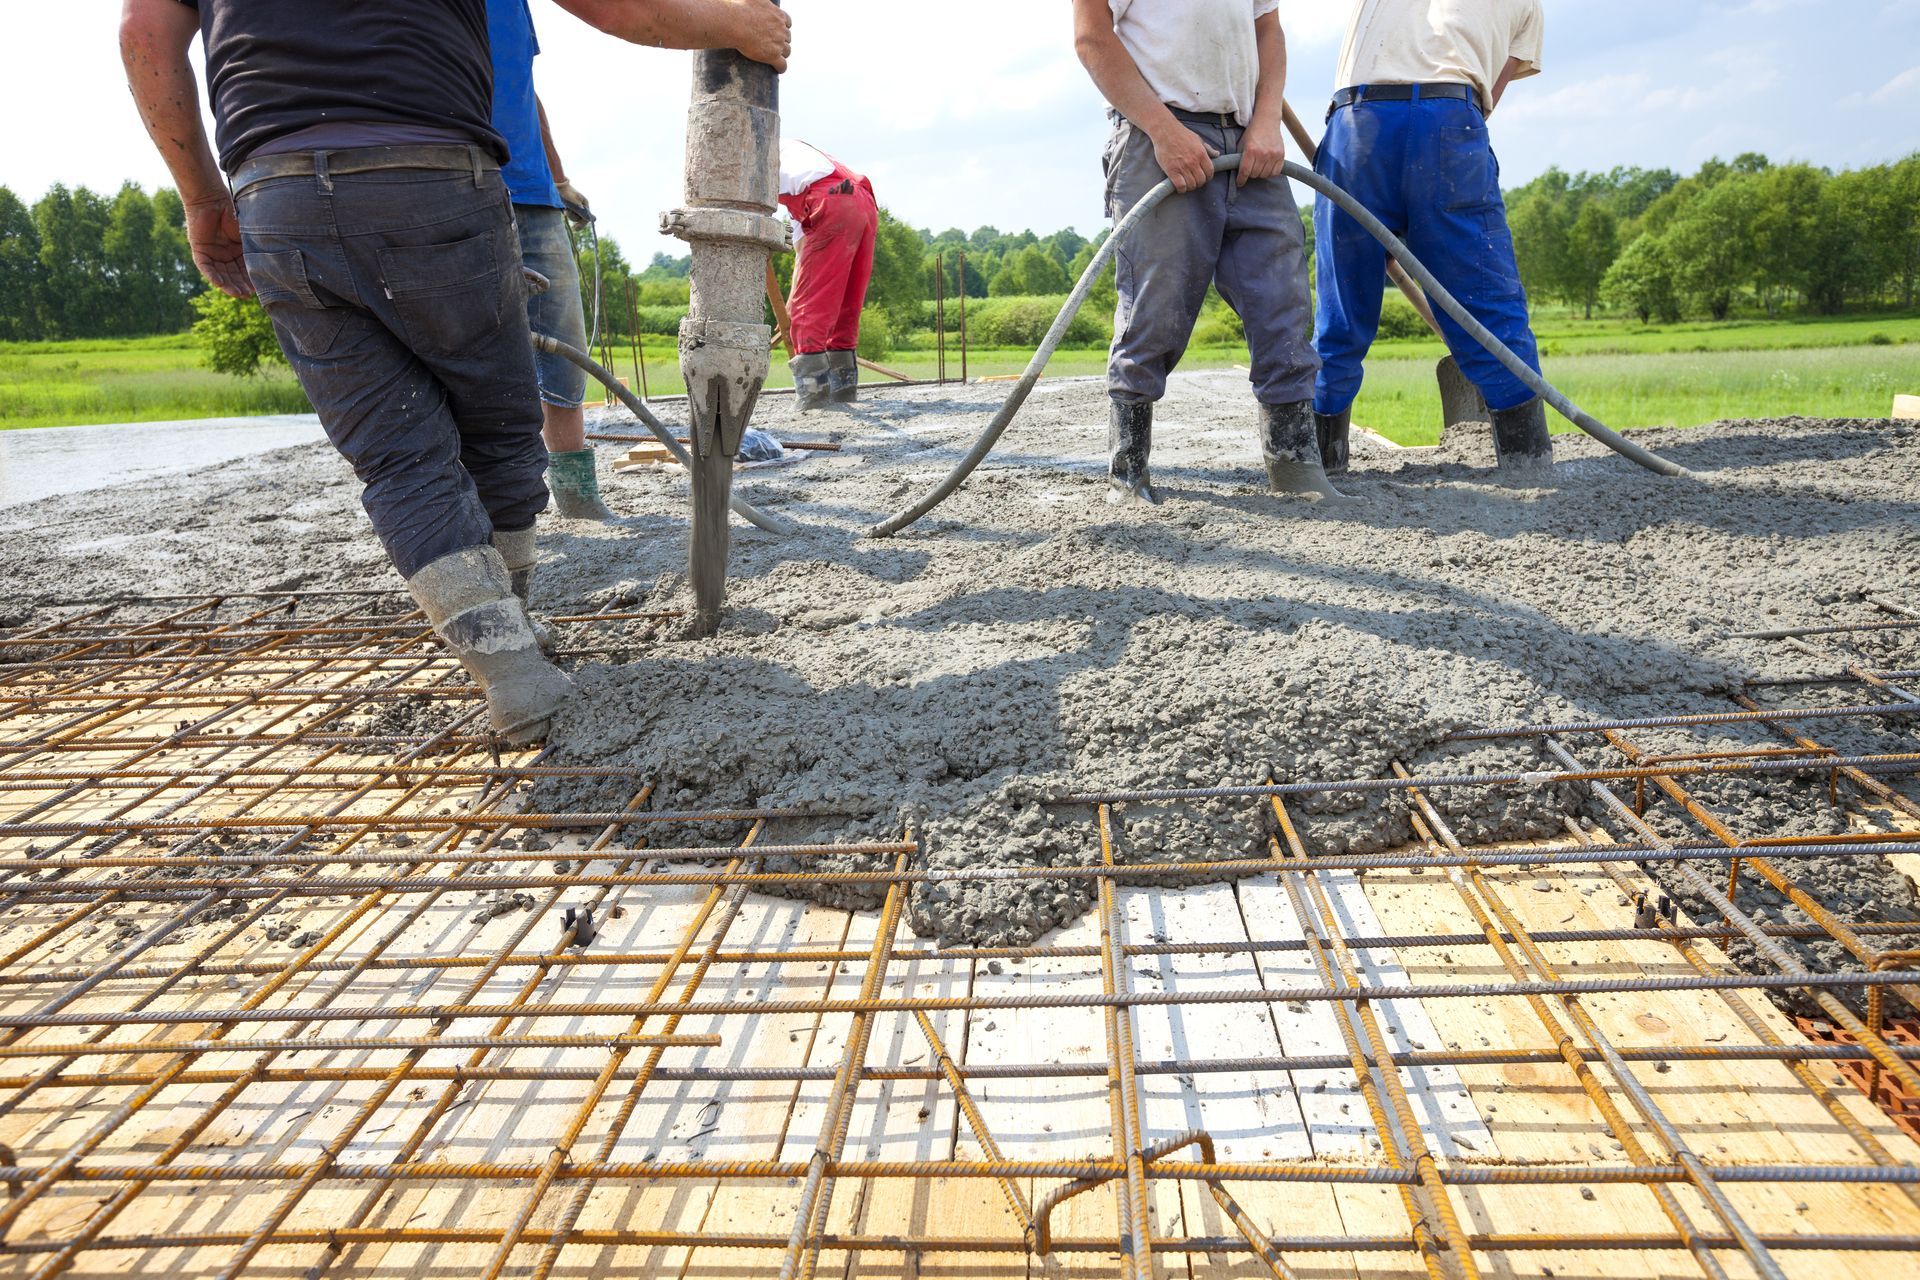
(546, 248)
(397, 297)
(1247, 240)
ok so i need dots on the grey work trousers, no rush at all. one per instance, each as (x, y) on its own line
(1247, 240)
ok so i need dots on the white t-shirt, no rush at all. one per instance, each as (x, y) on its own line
(1198, 55)
(1441, 42)
(801, 165)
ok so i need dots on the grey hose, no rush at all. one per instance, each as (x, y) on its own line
(1395, 247)
(753, 515)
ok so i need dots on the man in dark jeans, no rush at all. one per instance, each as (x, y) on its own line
(369, 214)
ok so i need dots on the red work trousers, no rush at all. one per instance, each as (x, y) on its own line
(839, 221)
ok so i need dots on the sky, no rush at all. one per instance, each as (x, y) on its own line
(979, 113)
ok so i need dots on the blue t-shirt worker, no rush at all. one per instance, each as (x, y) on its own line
(367, 211)
(537, 183)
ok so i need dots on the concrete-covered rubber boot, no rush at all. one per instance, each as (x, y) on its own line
(468, 596)
(1521, 441)
(573, 477)
(843, 376)
(1334, 430)
(812, 381)
(521, 553)
(1290, 443)
(1129, 442)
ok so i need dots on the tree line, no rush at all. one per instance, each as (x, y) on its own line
(77, 264)
(1742, 234)
(1745, 234)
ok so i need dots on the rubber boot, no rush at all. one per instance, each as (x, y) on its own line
(1334, 430)
(843, 377)
(469, 598)
(574, 480)
(1290, 442)
(812, 381)
(522, 555)
(1129, 441)
(1521, 442)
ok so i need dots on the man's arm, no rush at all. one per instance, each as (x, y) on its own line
(1508, 74)
(569, 194)
(757, 28)
(154, 38)
(1263, 151)
(1181, 154)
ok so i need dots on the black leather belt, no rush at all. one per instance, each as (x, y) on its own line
(294, 164)
(1406, 93)
(1219, 119)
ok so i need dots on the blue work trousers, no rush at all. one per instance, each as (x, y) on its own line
(398, 299)
(1426, 168)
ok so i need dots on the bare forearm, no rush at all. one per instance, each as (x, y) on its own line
(664, 24)
(1507, 74)
(554, 166)
(1113, 70)
(1270, 97)
(154, 37)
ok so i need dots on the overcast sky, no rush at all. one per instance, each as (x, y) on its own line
(976, 113)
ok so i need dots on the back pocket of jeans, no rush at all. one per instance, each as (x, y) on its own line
(448, 296)
(1468, 176)
(297, 313)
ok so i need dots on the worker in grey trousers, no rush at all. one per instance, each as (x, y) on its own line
(1189, 80)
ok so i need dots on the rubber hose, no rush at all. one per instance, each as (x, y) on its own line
(1395, 248)
(753, 515)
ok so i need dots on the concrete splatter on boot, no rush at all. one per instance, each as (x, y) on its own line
(843, 377)
(1334, 430)
(1129, 442)
(573, 477)
(469, 598)
(520, 551)
(1521, 441)
(812, 381)
(1290, 442)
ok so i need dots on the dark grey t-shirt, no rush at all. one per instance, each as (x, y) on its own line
(289, 75)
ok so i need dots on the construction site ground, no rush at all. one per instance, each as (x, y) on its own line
(961, 871)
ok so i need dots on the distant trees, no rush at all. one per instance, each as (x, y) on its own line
(1741, 233)
(79, 265)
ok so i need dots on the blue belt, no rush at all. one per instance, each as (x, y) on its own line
(1406, 93)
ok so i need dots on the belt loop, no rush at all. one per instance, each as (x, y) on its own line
(1416, 94)
(479, 173)
(320, 171)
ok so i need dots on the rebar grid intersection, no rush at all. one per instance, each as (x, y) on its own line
(187, 1079)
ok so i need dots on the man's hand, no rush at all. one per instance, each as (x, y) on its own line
(1263, 151)
(1183, 157)
(763, 32)
(579, 209)
(214, 233)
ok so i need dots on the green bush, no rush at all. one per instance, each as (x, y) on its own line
(235, 334)
(1398, 319)
(663, 320)
(876, 334)
(1219, 331)
(1023, 321)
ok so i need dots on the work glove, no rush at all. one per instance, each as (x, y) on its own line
(579, 211)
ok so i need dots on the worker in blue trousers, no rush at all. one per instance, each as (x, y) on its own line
(1407, 136)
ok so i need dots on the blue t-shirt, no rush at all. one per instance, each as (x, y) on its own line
(516, 116)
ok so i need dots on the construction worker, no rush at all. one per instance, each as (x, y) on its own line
(543, 203)
(368, 212)
(1407, 136)
(836, 223)
(1189, 80)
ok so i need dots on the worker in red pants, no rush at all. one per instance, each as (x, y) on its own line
(836, 221)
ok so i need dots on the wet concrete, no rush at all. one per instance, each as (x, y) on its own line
(1028, 640)
(46, 461)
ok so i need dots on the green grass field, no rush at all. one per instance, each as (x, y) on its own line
(1626, 374)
